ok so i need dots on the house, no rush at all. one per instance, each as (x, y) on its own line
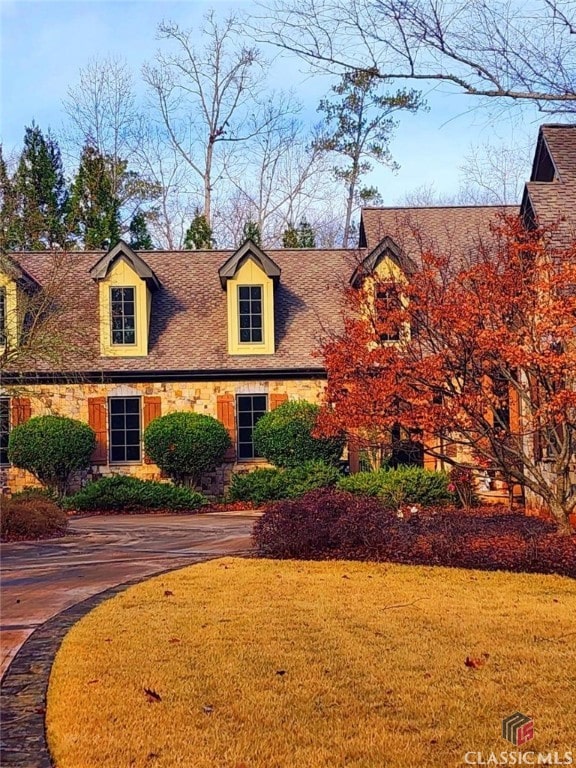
(229, 334)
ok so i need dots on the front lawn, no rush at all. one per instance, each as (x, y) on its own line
(267, 664)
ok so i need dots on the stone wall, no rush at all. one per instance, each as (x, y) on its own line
(202, 397)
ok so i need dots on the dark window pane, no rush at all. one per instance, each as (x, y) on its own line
(244, 419)
(132, 421)
(116, 421)
(259, 403)
(116, 453)
(116, 294)
(133, 453)
(244, 321)
(244, 293)
(116, 405)
(133, 405)
(255, 292)
(245, 451)
(129, 337)
(256, 335)
(245, 335)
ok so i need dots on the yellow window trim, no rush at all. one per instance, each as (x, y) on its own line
(250, 274)
(123, 275)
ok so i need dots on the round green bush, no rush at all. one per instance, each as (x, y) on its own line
(185, 445)
(52, 448)
(284, 436)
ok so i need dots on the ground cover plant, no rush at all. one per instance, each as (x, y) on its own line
(264, 663)
(284, 436)
(333, 524)
(272, 484)
(121, 493)
(31, 515)
(409, 485)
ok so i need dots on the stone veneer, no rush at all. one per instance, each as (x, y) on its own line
(72, 400)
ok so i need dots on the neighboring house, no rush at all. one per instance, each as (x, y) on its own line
(229, 334)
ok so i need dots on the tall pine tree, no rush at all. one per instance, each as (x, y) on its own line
(8, 220)
(140, 238)
(251, 231)
(94, 210)
(199, 234)
(40, 195)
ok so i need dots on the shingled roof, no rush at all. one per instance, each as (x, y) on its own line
(188, 330)
(447, 230)
(550, 195)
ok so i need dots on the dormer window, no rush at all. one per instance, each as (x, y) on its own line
(125, 287)
(249, 277)
(388, 302)
(123, 315)
(250, 314)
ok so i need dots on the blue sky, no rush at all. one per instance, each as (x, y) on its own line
(44, 43)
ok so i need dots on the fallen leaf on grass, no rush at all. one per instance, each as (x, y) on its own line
(168, 593)
(174, 640)
(476, 663)
(91, 682)
(152, 695)
(207, 709)
(280, 672)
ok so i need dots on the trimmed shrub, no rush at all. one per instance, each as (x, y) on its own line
(307, 528)
(52, 448)
(31, 515)
(405, 485)
(121, 493)
(332, 524)
(284, 436)
(272, 484)
(186, 444)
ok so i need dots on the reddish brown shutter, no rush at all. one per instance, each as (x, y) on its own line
(152, 410)
(97, 420)
(277, 399)
(21, 410)
(353, 457)
(225, 412)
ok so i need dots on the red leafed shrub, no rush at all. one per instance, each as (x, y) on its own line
(329, 524)
(31, 516)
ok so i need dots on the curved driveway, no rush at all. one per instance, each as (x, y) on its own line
(40, 579)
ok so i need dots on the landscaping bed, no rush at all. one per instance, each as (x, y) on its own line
(332, 524)
(261, 663)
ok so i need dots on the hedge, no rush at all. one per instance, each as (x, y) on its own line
(122, 493)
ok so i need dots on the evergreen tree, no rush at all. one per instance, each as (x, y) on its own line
(303, 237)
(358, 127)
(40, 194)
(199, 234)
(251, 231)
(8, 220)
(94, 210)
(290, 237)
(306, 235)
(140, 238)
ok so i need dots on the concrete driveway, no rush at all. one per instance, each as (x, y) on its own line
(40, 579)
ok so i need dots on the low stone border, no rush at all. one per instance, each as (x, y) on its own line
(24, 686)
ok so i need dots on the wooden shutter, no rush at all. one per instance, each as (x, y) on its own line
(97, 420)
(21, 410)
(152, 410)
(277, 399)
(353, 457)
(225, 412)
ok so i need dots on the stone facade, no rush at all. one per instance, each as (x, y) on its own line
(202, 397)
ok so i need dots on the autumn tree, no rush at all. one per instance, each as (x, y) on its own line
(358, 126)
(495, 49)
(475, 356)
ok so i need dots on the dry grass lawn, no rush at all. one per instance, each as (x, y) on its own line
(267, 664)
